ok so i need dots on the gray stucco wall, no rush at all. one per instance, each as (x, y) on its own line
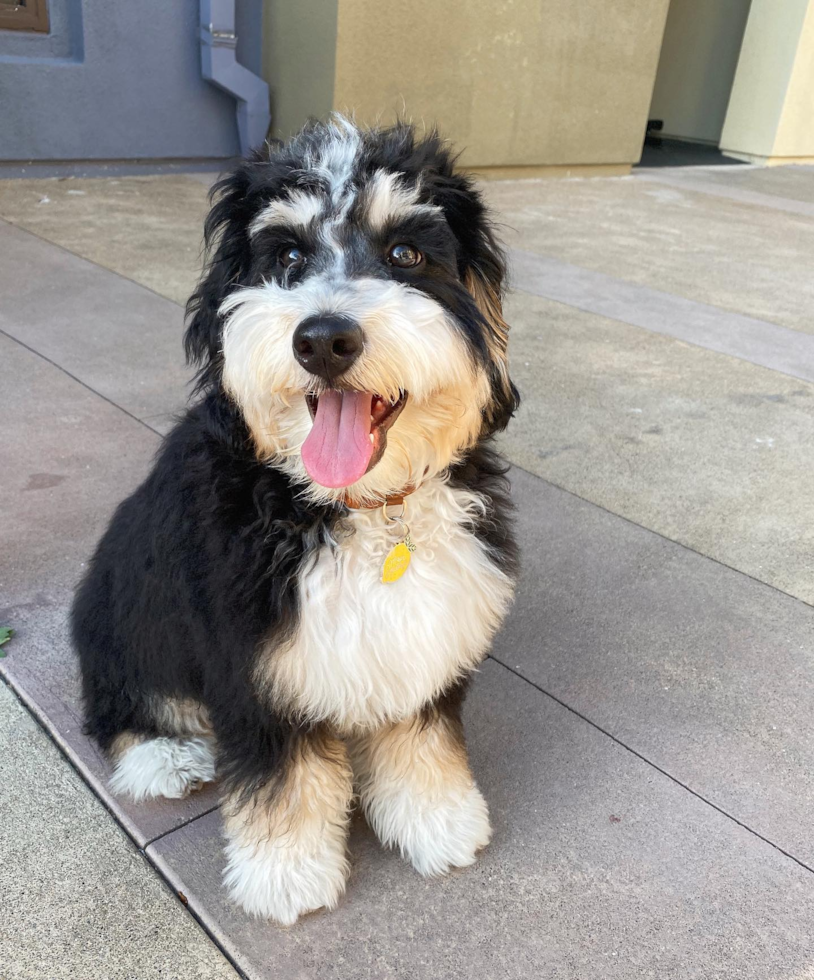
(118, 79)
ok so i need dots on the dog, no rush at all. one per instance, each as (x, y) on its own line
(295, 597)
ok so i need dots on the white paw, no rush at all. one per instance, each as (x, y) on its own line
(280, 880)
(433, 835)
(170, 767)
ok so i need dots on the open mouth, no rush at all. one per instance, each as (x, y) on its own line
(349, 434)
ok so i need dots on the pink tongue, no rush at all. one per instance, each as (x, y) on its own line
(338, 448)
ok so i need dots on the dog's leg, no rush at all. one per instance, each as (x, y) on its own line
(287, 835)
(418, 792)
(171, 767)
(177, 758)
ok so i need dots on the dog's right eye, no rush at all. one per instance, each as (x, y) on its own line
(404, 256)
(292, 257)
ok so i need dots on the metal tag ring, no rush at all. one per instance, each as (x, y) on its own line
(394, 520)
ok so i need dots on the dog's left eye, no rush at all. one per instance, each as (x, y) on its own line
(404, 256)
(292, 257)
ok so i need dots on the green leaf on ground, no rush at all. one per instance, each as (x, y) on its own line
(6, 633)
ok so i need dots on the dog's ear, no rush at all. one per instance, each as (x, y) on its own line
(483, 271)
(485, 282)
(227, 247)
(489, 301)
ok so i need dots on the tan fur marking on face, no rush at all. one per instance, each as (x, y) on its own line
(311, 799)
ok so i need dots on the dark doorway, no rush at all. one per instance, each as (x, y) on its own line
(699, 56)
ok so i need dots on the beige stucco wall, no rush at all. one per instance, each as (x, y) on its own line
(771, 110)
(299, 51)
(699, 54)
(795, 132)
(514, 83)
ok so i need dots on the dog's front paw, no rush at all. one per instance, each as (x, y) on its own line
(281, 880)
(437, 835)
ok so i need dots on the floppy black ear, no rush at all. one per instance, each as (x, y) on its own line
(488, 297)
(226, 244)
(483, 271)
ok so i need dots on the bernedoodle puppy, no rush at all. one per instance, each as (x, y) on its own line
(292, 601)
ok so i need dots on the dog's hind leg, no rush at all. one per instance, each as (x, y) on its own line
(418, 792)
(178, 759)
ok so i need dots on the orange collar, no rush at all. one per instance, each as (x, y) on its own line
(392, 499)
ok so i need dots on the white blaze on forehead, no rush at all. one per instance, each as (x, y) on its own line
(336, 156)
(333, 162)
(297, 210)
(389, 200)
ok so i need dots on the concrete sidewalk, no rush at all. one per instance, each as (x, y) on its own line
(643, 730)
(79, 900)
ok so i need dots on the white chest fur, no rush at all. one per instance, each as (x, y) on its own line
(366, 652)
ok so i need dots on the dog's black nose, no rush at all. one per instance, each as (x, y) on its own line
(326, 345)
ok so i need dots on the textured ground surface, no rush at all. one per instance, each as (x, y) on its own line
(644, 729)
(79, 900)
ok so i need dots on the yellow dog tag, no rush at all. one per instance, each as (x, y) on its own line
(398, 561)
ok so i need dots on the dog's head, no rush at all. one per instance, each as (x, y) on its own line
(352, 309)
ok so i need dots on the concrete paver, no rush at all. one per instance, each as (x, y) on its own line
(706, 449)
(793, 183)
(148, 229)
(599, 867)
(721, 189)
(68, 457)
(113, 335)
(78, 900)
(708, 674)
(757, 341)
(752, 260)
